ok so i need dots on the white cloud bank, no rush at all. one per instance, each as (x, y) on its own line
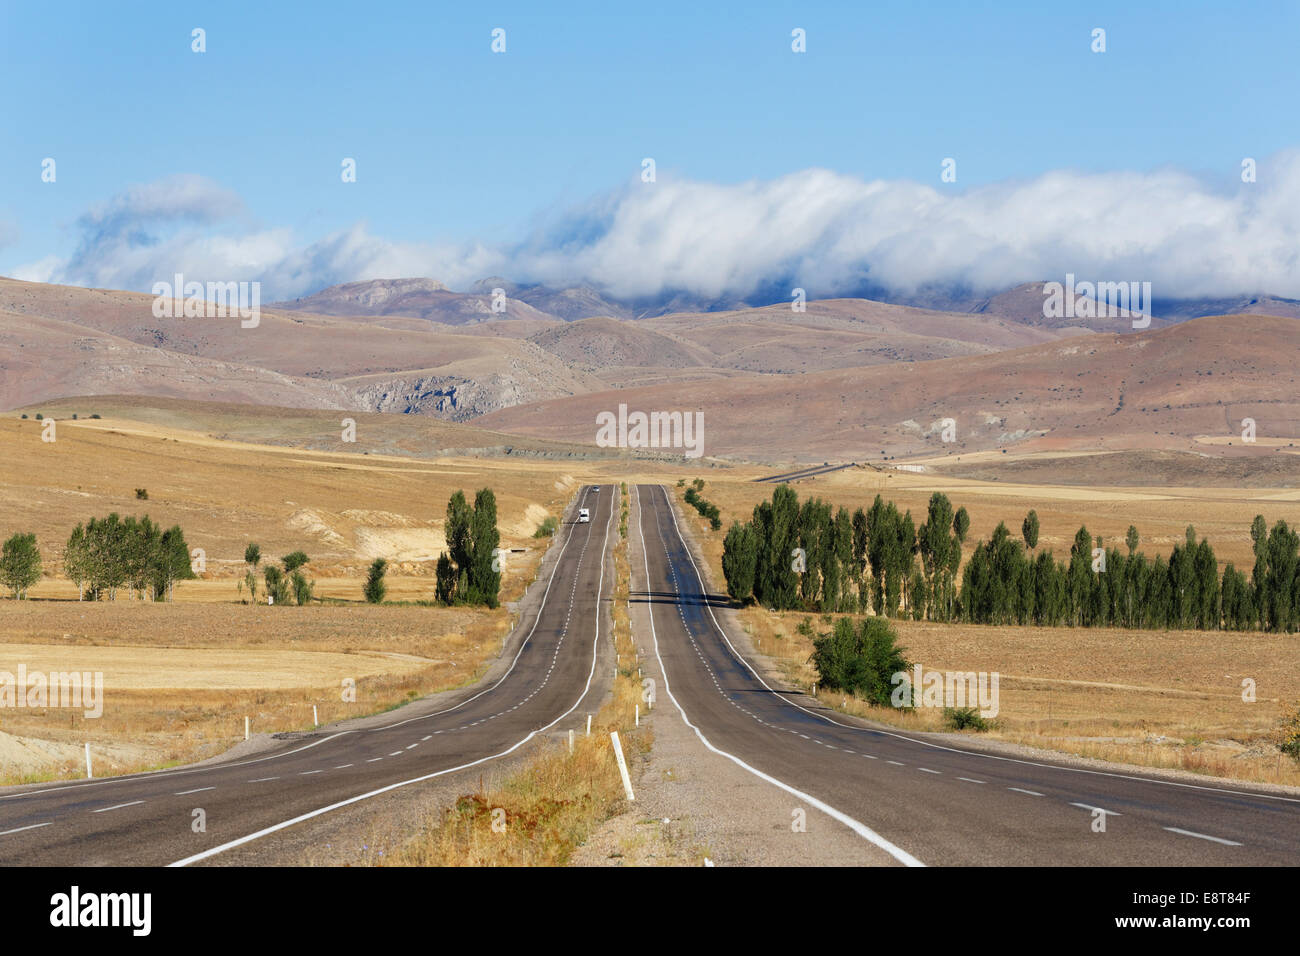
(829, 233)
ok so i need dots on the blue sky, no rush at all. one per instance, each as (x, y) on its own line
(457, 146)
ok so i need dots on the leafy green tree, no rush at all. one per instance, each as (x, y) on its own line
(485, 540)
(376, 589)
(776, 583)
(302, 589)
(860, 558)
(459, 543)
(1029, 530)
(292, 562)
(861, 660)
(1081, 580)
(1238, 612)
(76, 560)
(20, 564)
(445, 579)
(837, 573)
(277, 584)
(740, 560)
(169, 563)
(937, 542)
(961, 524)
(252, 558)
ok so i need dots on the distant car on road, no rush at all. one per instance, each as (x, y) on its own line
(595, 489)
(584, 515)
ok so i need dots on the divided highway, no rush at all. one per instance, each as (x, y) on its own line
(146, 818)
(920, 801)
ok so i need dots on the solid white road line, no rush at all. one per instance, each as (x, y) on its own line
(34, 826)
(118, 807)
(861, 829)
(1202, 836)
(591, 673)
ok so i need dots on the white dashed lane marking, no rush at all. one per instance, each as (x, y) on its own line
(118, 806)
(1202, 836)
(1088, 806)
(34, 826)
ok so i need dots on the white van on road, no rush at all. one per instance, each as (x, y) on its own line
(583, 515)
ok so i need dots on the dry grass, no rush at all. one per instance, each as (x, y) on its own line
(165, 714)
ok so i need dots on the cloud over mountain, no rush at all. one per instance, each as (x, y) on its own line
(829, 233)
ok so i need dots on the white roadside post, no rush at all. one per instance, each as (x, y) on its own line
(315, 718)
(622, 766)
(89, 775)
(245, 728)
(638, 715)
(589, 725)
(570, 740)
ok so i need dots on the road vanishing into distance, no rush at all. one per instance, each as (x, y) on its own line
(923, 802)
(917, 801)
(145, 819)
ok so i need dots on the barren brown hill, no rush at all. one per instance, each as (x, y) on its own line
(43, 358)
(65, 340)
(1154, 389)
(415, 298)
(774, 340)
(1024, 304)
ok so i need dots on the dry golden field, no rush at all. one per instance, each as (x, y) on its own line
(188, 672)
(178, 679)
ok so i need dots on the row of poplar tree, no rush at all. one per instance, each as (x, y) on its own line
(806, 556)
